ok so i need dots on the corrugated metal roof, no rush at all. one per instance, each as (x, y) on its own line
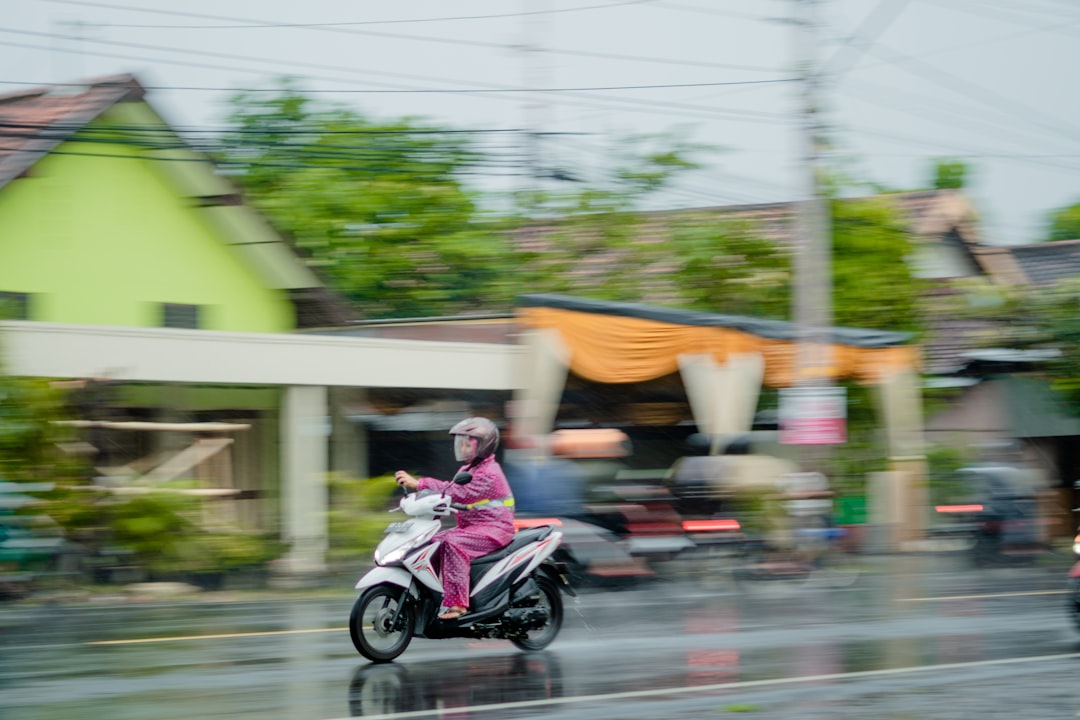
(1049, 262)
(1035, 410)
(773, 329)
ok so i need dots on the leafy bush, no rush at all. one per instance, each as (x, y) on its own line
(358, 514)
(157, 532)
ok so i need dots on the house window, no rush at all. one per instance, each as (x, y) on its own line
(175, 315)
(14, 306)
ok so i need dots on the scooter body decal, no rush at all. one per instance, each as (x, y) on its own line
(380, 575)
(421, 564)
(527, 557)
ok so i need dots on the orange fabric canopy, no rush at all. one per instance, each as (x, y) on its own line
(624, 342)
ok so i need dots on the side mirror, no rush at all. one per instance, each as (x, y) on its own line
(463, 478)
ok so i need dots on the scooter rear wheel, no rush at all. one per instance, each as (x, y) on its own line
(380, 625)
(551, 602)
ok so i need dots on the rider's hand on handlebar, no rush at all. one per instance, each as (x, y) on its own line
(406, 480)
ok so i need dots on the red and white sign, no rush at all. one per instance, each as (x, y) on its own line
(813, 415)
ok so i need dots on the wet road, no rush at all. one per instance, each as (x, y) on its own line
(914, 637)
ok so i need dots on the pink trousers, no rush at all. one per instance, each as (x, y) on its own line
(459, 547)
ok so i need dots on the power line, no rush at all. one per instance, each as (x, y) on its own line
(872, 26)
(1057, 25)
(644, 107)
(952, 149)
(421, 91)
(362, 22)
(714, 112)
(433, 39)
(709, 11)
(251, 163)
(937, 111)
(1014, 12)
(71, 127)
(988, 97)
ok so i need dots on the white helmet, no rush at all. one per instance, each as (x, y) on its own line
(487, 439)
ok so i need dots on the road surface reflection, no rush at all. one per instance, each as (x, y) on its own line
(495, 680)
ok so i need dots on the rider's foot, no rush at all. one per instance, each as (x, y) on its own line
(453, 613)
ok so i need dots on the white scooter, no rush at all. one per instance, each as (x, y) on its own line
(514, 595)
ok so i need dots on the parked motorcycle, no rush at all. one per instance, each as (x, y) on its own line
(1074, 583)
(514, 595)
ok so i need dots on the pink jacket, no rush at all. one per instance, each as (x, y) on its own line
(488, 483)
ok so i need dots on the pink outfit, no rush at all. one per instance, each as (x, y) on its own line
(478, 532)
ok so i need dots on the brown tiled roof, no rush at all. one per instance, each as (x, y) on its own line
(931, 214)
(34, 121)
(1049, 262)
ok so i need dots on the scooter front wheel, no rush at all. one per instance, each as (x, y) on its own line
(381, 622)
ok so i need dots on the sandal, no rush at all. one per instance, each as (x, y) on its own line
(453, 613)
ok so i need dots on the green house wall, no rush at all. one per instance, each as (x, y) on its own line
(97, 235)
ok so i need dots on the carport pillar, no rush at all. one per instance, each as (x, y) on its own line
(304, 495)
(899, 497)
(542, 373)
(723, 398)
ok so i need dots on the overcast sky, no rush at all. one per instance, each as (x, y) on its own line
(992, 82)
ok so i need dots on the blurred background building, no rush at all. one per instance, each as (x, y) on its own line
(137, 267)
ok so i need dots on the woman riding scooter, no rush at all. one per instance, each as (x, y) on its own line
(487, 521)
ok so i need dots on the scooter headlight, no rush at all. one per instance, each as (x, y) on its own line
(393, 556)
(1076, 545)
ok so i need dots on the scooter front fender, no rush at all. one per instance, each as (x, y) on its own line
(380, 575)
(1075, 572)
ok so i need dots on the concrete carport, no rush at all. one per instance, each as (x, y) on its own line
(303, 366)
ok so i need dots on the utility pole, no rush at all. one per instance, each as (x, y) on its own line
(535, 76)
(814, 411)
(813, 259)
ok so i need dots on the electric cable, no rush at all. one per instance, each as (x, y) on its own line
(426, 38)
(527, 13)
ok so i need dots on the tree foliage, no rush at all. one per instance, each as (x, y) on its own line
(381, 209)
(385, 212)
(730, 266)
(1032, 318)
(1064, 223)
(29, 435)
(950, 174)
(1058, 316)
(873, 286)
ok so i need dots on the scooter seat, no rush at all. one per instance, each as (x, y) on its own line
(522, 538)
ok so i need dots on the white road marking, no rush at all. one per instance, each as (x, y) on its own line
(222, 636)
(630, 694)
(947, 598)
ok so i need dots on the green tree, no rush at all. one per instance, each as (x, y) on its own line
(590, 239)
(384, 210)
(1032, 318)
(873, 286)
(381, 209)
(28, 434)
(1055, 314)
(730, 266)
(949, 174)
(727, 265)
(1064, 223)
